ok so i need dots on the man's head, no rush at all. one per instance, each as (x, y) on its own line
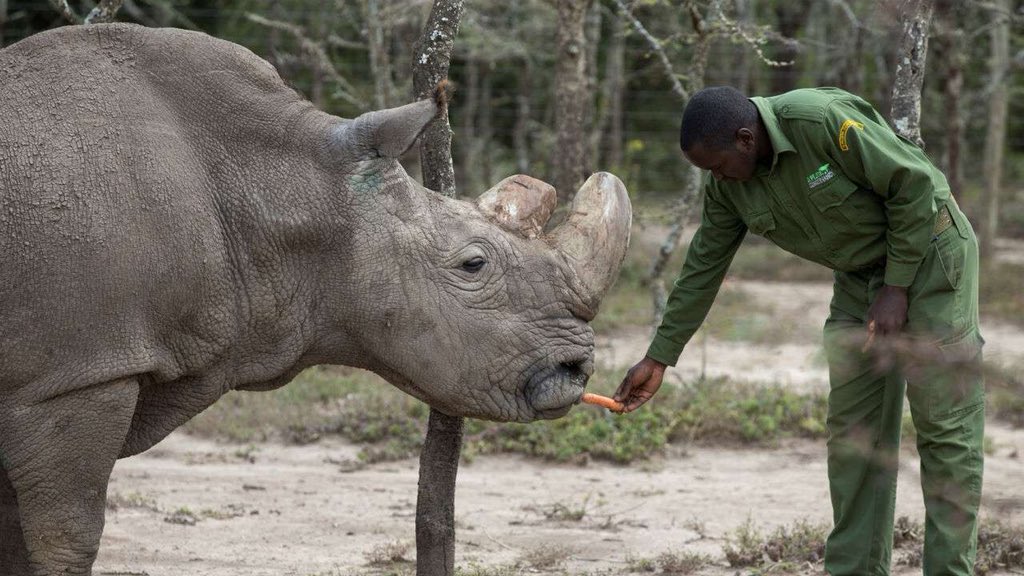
(722, 133)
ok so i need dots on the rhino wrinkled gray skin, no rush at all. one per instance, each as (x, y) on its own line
(176, 223)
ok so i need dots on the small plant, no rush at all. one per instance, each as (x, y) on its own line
(907, 533)
(636, 564)
(387, 553)
(570, 513)
(681, 563)
(547, 557)
(116, 501)
(1000, 547)
(745, 546)
(475, 569)
(183, 516)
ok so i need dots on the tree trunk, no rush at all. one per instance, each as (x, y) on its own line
(439, 460)
(3, 20)
(948, 43)
(432, 58)
(380, 63)
(608, 128)
(741, 58)
(319, 32)
(435, 499)
(468, 144)
(791, 17)
(910, 62)
(486, 126)
(690, 197)
(571, 98)
(995, 135)
(521, 131)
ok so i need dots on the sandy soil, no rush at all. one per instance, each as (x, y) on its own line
(195, 507)
(286, 510)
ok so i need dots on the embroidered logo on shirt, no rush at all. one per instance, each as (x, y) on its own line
(843, 145)
(820, 176)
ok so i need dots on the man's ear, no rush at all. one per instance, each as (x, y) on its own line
(745, 140)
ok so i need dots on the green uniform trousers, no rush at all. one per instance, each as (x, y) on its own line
(939, 371)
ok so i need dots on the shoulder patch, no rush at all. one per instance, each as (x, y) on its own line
(843, 145)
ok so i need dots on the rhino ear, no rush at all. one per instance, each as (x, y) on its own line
(520, 204)
(382, 133)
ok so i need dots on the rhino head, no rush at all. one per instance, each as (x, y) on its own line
(473, 307)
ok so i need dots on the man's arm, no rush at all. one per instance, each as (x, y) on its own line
(871, 154)
(711, 251)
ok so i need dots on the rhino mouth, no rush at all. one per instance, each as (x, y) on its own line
(553, 390)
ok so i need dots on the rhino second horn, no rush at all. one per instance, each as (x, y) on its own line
(519, 204)
(595, 236)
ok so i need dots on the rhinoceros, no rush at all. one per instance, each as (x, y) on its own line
(176, 222)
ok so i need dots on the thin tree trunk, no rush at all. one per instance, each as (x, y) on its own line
(741, 58)
(791, 18)
(910, 69)
(690, 197)
(995, 136)
(433, 54)
(380, 65)
(949, 53)
(521, 131)
(486, 125)
(439, 460)
(319, 35)
(608, 128)
(571, 98)
(3, 20)
(468, 143)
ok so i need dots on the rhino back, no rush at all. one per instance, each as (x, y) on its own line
(135, 171)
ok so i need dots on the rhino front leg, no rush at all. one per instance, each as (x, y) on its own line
(59, 454)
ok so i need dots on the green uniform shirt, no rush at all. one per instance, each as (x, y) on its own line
(843, 190)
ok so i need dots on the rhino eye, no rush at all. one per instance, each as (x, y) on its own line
(474, 264)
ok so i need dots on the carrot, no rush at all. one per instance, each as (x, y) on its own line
(603, 401)
(871, 337)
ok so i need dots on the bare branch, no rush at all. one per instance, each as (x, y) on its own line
(755, 43)
(316, 57)
(655, 47)
(104, 12)
(66, 11)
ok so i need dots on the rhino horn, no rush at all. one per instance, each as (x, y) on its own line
(382, 133)
(519, 204)
(595, 235)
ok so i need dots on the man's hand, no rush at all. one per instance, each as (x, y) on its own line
(640, 383)
(887, 314)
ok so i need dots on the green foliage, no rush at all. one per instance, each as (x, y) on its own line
(1000, 547)
(681, 562)
(787, 546)
(720, 411)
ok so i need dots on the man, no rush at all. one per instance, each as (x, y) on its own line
(820, 173)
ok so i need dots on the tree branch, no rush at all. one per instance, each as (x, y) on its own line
(316, 57)
(655, 46)
(103, 12)
(66, 11)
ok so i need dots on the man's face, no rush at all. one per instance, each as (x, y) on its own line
(736, 162)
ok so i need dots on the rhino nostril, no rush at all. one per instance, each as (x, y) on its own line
(573, 366)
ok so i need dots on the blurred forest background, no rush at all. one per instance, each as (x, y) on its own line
(560, 88)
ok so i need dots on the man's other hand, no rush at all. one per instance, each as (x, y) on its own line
(640, 384)
(888, 313)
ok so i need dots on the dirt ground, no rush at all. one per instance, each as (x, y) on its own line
(196, 507)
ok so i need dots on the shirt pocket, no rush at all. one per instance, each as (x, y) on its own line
(827, 198)
(761, 223)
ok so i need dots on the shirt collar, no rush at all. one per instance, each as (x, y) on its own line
(779, 141)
